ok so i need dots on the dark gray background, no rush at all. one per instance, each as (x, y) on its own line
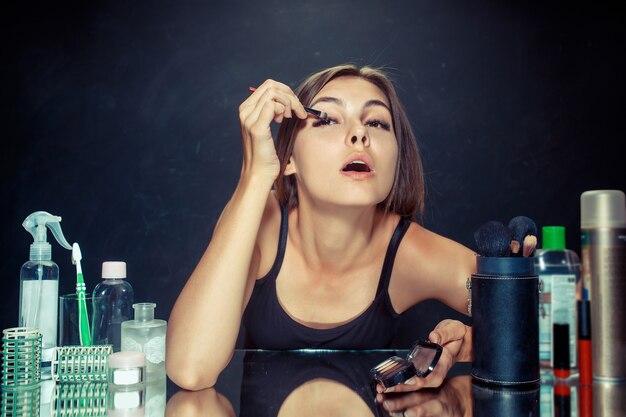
(121, 117)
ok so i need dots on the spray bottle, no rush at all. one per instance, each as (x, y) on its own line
(603, 245)
(39, 284)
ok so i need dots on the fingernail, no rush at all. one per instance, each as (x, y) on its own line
(408, 413)
(390, 389)
(435, 338)
(388, 404)
(411, 381)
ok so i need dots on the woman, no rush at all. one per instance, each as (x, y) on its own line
(337, 197)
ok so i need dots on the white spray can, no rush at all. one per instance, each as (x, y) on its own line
(603, 245)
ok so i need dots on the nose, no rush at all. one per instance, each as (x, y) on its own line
(359, 136)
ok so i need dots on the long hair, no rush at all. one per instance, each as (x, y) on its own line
(406, 197)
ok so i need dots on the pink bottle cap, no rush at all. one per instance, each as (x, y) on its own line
(127, 360)
(114, 269)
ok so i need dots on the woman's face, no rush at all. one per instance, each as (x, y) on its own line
(350, 159)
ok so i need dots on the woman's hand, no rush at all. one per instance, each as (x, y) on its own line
(452, 399)
(456, 340)
(270, 101)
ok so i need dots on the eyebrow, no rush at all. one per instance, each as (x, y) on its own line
(340, 102)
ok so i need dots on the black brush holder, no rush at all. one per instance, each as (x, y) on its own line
(505, 321)
(514, 401)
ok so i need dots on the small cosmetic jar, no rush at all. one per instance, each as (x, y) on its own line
(127, 369)
(127, 403)
(421, 361)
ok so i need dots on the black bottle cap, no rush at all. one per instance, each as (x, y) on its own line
(584, 320)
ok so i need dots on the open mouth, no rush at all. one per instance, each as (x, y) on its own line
(356, 166)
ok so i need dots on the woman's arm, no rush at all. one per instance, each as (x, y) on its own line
(204, 323)
(203, 403)
(430, 266)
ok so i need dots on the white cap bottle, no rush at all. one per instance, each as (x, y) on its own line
(113, 303)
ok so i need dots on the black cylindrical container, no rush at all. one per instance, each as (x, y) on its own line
(518, 401)
(505, 321)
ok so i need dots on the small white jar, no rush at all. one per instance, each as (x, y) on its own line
(127, 369)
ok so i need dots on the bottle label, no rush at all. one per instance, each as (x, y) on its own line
(154, 349)
(559, 294)
(127, 376)
(607, 266)
(564, 300)
(123, 400)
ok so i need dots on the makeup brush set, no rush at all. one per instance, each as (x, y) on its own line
(503, 303)
(517, 239)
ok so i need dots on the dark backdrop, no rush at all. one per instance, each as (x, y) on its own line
(121, 117)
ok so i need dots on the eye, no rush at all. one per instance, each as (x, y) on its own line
(324, 122)
(379, 124)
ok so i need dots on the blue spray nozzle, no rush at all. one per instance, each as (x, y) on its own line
(36, 224)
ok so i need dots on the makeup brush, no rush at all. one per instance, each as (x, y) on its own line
(493, 239)
(317, 113)
(524, 232)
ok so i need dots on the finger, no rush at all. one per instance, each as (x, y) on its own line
(447, 331)
(281, 106)
(258, 123)
(282, 93)
(430, 408)
(436, 378)
(412, 384)
(411, 400)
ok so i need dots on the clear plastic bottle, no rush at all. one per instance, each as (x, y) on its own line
(146, 334)
(559, 272)
(113, 301)
(39, 284)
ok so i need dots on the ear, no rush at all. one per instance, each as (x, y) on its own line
(290, 168)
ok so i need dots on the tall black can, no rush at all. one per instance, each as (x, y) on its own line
(505, 321)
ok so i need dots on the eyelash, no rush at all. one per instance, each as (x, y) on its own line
(379, 124)
(374, 123)
(324, 122)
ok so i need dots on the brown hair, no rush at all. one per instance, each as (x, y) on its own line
(406, 197)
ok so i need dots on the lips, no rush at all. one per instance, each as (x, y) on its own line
(357, 166)
(358, 163)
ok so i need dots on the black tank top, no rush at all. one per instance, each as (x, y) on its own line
(268, 326)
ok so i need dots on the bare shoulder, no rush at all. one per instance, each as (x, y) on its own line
(421, 241)
(430, 266)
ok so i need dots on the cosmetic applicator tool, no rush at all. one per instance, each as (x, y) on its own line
(493, 239)
(322, 115)
(83, 319)
(524, 231)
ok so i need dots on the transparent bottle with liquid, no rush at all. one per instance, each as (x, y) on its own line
(113, 301)
(559, 271)
(39, 284)
(146, 334)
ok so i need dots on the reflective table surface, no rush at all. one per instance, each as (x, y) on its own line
(338, 383)
(316, 383)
